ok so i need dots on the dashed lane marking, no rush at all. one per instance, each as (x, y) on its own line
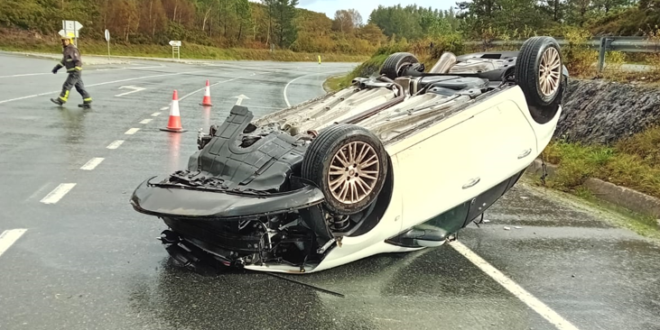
(39, 192)
(9, 237)
(146, 121)
(58, 193)
(92, 164)
(164, 108)
(155, 114)
(115, 145)
(132, 131)
(520, 293)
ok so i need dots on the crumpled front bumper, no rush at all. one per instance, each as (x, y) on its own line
(191, 202)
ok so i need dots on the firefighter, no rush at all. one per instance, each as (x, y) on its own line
(72, 61)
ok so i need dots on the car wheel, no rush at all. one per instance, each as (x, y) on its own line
(349, 164)
(397, 63)
(539, 73)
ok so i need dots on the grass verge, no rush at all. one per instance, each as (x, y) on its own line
(632, 162)
(614, 215)
(188, 51)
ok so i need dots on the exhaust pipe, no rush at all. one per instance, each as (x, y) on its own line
(444, 63)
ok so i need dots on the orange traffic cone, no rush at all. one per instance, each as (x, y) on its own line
(174, 124)
(207, 95)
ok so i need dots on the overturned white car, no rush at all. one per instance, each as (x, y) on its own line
(396, 162)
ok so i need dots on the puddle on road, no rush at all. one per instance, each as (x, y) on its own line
(174, 147)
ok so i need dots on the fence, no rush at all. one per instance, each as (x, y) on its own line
(603, 44)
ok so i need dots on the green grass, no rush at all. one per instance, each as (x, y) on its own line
(632, 162)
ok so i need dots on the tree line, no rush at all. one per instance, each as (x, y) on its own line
(281, 24)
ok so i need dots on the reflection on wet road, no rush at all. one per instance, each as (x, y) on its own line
(88, 261)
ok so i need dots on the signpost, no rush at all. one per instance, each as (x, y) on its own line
(71, 27)
(176, 48)
(107, 38)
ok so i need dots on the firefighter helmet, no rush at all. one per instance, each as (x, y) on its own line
(67, 36)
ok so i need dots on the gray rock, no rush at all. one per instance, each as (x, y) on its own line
(602, 112)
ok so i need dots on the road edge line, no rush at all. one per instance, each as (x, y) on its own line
(527, 298)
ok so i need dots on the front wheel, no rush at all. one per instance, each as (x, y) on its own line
(349, 164)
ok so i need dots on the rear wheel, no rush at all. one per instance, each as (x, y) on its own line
(539, 73)
(349, 164)
(396, 64)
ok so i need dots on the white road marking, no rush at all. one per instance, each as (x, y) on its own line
(164, 108)
(146, 121)
(29, 97)
(155, 114)
(101, 84)
(9, 237)
(115, 145)
(92, 164)
(134, 88)
(88, 70)
(38, 192)
(240, 99)
(203, 88)
(286, 99)
(132, 131)
(58, 193)
(520, 293)
(26, 75)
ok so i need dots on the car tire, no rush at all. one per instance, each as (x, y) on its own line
(395, 64)
(330, 161)
(539, 73)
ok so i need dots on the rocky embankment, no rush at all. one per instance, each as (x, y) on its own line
(601, 112)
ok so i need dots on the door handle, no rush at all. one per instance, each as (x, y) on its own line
(471, 183)
(525, 153)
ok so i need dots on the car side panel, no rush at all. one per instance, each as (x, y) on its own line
(464, 161)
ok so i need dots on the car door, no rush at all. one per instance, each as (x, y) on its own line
(463, 161)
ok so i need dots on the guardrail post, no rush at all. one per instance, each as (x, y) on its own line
(601, 56)
(604, 45)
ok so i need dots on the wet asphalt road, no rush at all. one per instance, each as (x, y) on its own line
(90, 262)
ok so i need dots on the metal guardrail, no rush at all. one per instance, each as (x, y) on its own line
(603, 44)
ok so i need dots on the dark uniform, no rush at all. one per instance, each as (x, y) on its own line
(73, 64)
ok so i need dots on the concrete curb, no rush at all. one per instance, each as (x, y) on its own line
(617, 195)
(326, 88)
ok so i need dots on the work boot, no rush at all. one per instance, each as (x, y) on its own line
(85, 105)
(57, 101)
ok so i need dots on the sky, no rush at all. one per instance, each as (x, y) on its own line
(364, 7)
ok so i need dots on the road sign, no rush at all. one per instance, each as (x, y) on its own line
(176, 48)
(107, 38)
(71, 26)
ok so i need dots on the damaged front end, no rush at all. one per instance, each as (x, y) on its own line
(242, 201)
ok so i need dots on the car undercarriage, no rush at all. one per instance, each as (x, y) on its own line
(286, 189)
